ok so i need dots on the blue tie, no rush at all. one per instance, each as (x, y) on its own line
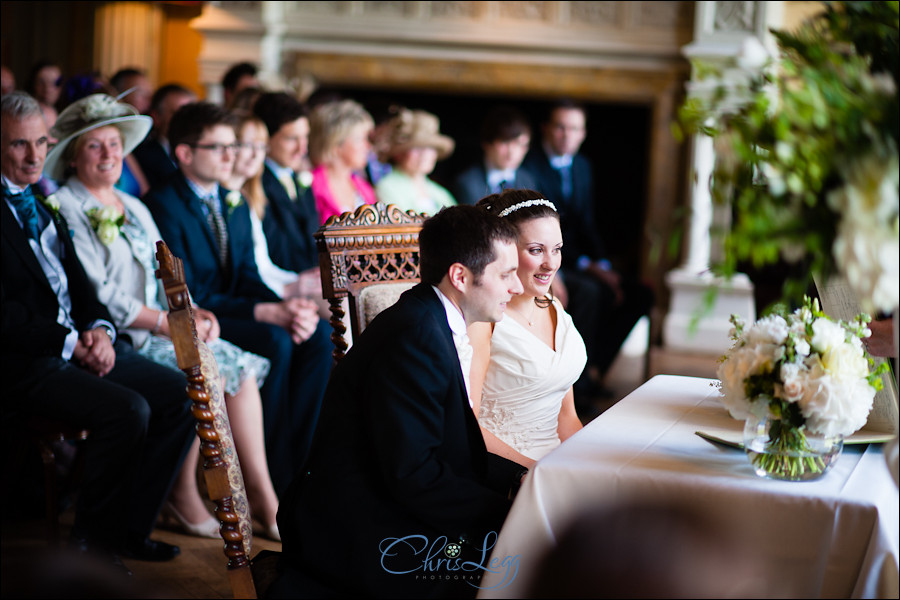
(24, 204)
(566, 175)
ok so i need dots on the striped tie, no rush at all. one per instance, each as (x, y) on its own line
(217, 225)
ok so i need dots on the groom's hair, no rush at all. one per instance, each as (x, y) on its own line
(460, 234)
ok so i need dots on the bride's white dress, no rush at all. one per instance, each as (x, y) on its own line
(526, 381)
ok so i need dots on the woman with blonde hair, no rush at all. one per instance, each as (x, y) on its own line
(339, 150)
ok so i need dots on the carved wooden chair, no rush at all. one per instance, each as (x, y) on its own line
(221, 468)
(367, 259)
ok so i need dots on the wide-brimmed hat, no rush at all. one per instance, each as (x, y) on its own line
(91, 112)
(416, 129)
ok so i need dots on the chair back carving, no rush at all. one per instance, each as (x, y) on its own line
(221, 468)
(367, 259)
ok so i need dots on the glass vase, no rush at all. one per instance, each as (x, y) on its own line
(778, 450)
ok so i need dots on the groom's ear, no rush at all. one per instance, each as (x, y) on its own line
(460, 277)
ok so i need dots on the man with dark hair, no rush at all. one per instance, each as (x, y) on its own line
(505, 136)
(214, 240)
(134, 79)
(239, 76)
(62, 360)
(604, 304)
(154, 154)
(399, 467)
(291, 219)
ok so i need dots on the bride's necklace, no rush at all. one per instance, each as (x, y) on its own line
(529, 319)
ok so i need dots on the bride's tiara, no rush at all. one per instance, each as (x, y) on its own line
(539, 202)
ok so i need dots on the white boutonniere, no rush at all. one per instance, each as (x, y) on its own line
(305, 178)
(233, 199)
(51, 203)
(107, 222)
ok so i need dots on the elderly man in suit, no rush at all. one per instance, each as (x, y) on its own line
(62, 360)
(208, 227)
(604, 305)
(505, 136)
(398, 473)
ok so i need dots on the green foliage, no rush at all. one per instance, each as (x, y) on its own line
(829, 98)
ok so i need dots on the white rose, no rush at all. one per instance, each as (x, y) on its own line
(845, 362)
(107, 232)
(834, 406)
(305, 178)
(826, 335)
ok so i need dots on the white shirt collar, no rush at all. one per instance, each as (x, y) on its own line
(454, 316)
(202, 192)
(496, 176)
(558, 161)
(13, 188)
(278, 170)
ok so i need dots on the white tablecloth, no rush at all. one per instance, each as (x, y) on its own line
(834, 537)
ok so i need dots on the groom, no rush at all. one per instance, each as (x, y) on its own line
(399, 490)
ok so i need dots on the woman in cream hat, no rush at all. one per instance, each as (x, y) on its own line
(115, 238)
(413, 146)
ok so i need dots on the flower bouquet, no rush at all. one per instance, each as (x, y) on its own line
(805, 376)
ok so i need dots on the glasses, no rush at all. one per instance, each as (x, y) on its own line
(253, 146)
(216, 148)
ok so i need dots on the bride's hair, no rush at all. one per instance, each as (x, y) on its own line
(517, 206)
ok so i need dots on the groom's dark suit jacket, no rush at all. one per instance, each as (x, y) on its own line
(397, 452)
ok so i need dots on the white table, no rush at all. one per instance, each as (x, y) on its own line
(839, 534)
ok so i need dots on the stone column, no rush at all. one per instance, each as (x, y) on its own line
(720, 29)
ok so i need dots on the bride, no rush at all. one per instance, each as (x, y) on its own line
(523, 366)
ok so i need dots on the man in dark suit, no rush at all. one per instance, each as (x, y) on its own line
(604, 305)
(61, 360)
(505, 136)
(214, 240)
(154, 154)
(399, 467)
(290, 219)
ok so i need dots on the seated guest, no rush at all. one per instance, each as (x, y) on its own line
(523, 367)
(237, 78)
(213, 237)
(115, 238)
(413, 147)
(45, 84)
(135, 86)
(62, 360)
(505, 135)
(604, 304)
(339, 150)
(154, 154)
(398, 437)
(7, 81)
(246, 176)
(289, 216)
